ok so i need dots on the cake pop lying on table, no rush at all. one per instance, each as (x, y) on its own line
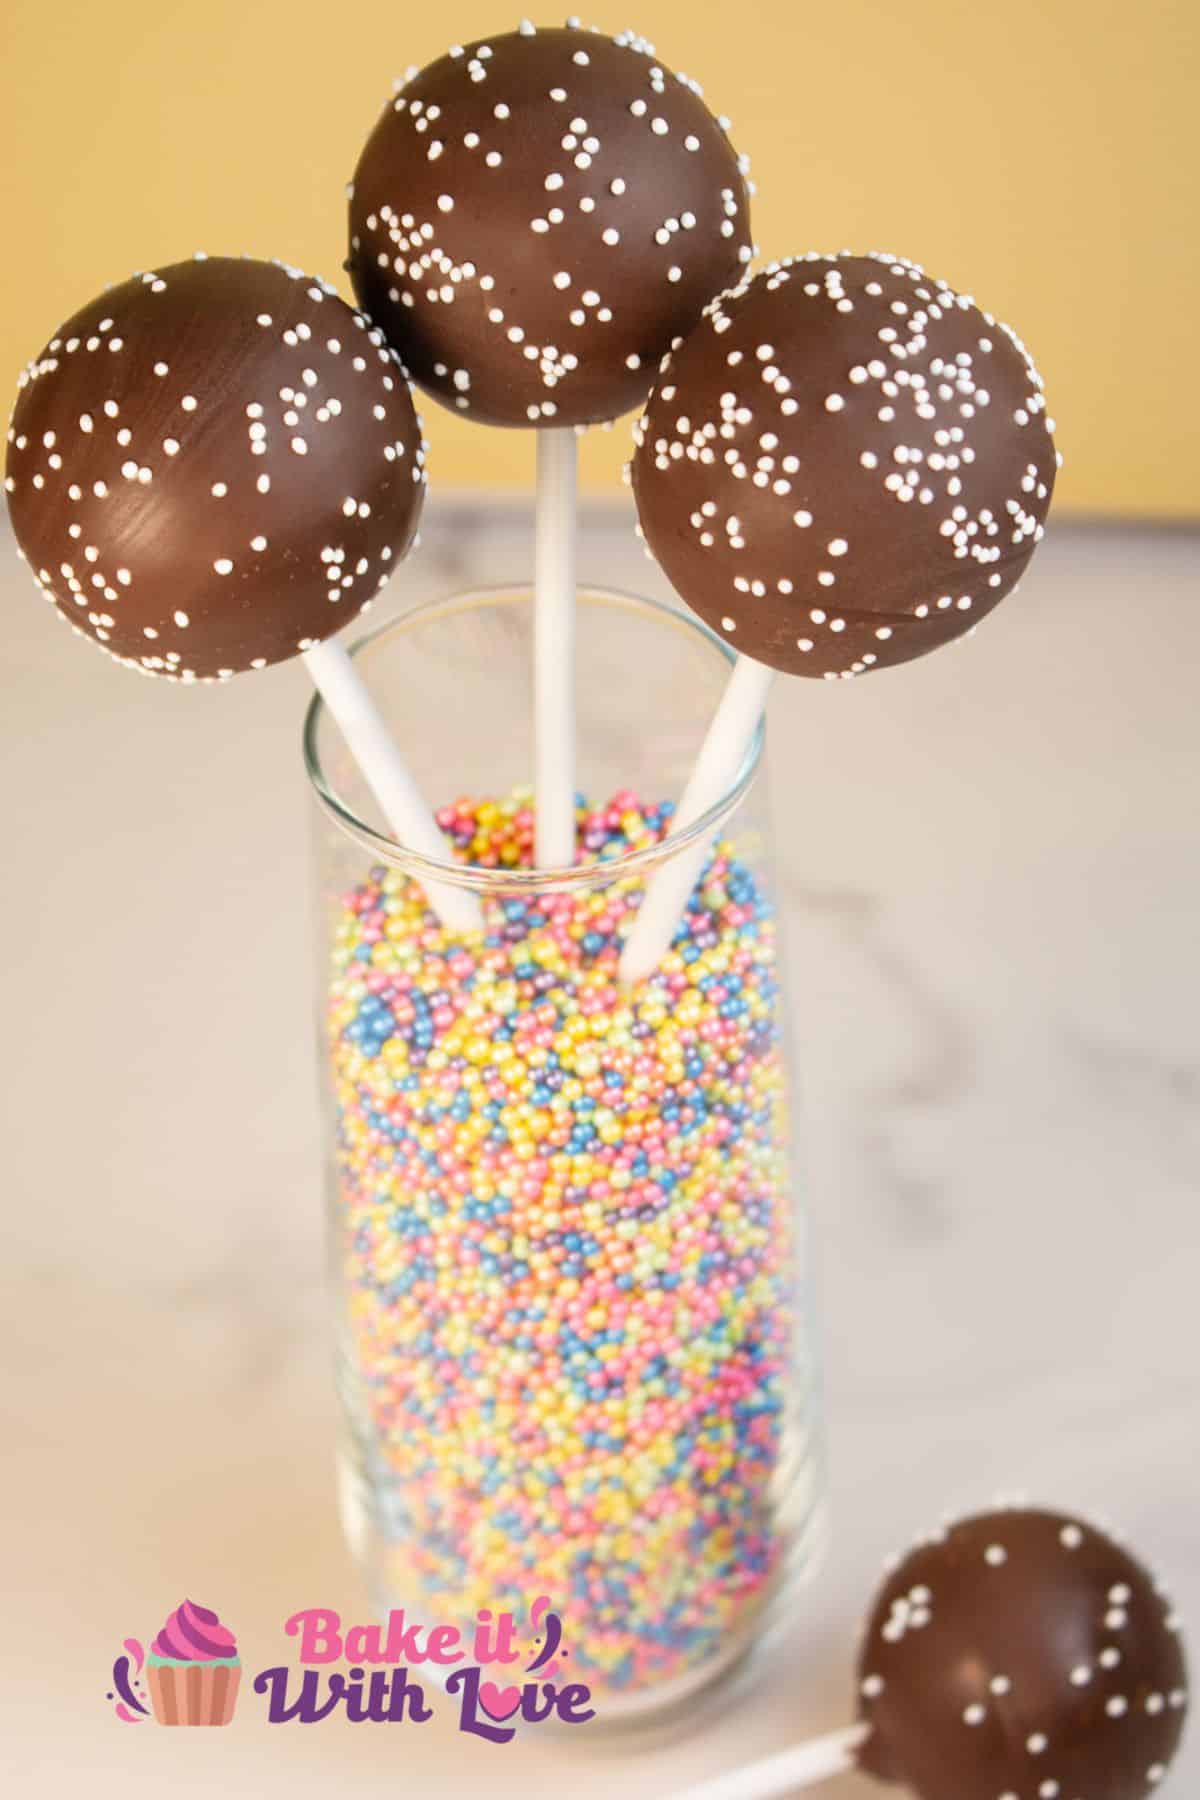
(534, 219)
(1016, 1655)
(846, 465)
(213, 467)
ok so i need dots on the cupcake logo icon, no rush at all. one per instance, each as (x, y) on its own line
(189, 1676)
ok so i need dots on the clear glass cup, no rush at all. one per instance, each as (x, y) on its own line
(576, 1347)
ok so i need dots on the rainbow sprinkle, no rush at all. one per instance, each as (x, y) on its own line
(567, 1247)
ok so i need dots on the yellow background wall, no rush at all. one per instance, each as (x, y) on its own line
(1043, 154)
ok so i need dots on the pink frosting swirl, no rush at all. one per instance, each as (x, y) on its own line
(194, 1634)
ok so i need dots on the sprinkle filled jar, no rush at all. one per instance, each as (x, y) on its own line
(576, 1349)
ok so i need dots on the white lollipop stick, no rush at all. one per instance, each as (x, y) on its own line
(798, 1767)
(554, 650)
(721, 756)
(409, 818)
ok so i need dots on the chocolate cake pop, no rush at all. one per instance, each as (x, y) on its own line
(537, 216)
(845, 465)
(213, 467)
(1022, 1654)
(1016, 1655)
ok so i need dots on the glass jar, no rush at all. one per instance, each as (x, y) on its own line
(576, 1349)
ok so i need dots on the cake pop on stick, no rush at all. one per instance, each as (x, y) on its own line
(213, 467)
(846, 465)
(1015, 1655)
(535, 218)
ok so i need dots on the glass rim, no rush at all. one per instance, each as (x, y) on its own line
(470, 876)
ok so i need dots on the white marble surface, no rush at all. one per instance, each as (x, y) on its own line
(991, 867)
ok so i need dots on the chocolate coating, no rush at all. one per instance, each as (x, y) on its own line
(845, 465)
(1022, 1655)
(213, 467)
(537, 216)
